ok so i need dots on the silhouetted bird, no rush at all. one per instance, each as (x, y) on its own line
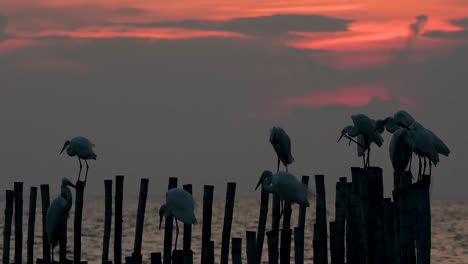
(282, 145)
(83, 149)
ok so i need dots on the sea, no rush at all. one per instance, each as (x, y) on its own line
(449, 229)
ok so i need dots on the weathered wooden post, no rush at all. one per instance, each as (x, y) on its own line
(273, 254)
(168, 226)
(188, 254)
(228, 213)
(156, 258)
(140, 219)
(405, 237)
(389, 236)
(236, 253)
(364, 205)
(18, 189)
(299, 245)
(357, 218)
(107, 220)
(178, 256)
(119, 180)
(302, 209)
(375, 215)
(7, 226)
(45, 242)
(31, 223)
(333, 243)
(285, 248)
(320, 247)
(351, 233)
(251, 247)
(207, 213)
(275, 222)
(340, 217)
(424, 220)
(209, 252)
(262, 219)
(79, 195)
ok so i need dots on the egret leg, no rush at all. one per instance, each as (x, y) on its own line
(364, 160)
(430, 168)
(411, 158)
(177, 233)
(281, 208)
(277, 167)
(424, 170)
(419, 170)
(81, 166)
(52, 255)
(368, 155)
(87, 168)
(286, 168)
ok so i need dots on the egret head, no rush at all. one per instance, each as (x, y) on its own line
(162, 212)
(66, 182)
(265, 175)
(345, 131)
(65, 145)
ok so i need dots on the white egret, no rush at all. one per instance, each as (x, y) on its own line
(400, 151)
(57, 215)
(365, 129)
(286, 185)
(282, 145)
(83, 149)
(180, 204)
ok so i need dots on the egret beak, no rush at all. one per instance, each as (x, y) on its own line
(71, 185)
(160, 221)
(340, 138)
(379, 125)
(259, 182)
(65, 145)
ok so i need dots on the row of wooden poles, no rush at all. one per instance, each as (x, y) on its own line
(367, 227)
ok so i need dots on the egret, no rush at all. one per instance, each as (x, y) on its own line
(83, 149)
(401, 118)
(57, 215)
(180, 204)
(286, 185)
(282, 145)
(365, 129)
(400, 151)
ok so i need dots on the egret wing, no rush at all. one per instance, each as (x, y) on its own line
(180, 204)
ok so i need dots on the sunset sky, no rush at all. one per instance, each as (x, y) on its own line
(191, 88)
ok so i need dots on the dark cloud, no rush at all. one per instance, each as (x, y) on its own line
(3, 25)
(419, 25)
(267, 25)
(130, 11)
(459, 34)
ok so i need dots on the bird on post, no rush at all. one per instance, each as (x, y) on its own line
(82, 148)
(282, 145)
(287, 186)
(180, 204)
(400, 151)
(364, 128)
(57, 215)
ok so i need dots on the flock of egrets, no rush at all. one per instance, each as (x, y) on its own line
(409, 137)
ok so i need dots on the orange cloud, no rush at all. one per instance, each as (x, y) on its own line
(350, 96)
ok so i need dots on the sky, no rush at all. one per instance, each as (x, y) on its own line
(190, 89)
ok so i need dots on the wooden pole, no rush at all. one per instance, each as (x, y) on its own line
(275, 222)
(45, 205)
(302, 209)
(357, 217)
(209, 253)
(178, 257)
(251, 247)
(285, 249)
(187, 228)
(7, 227)
(375, 215)
(18, 188)
(207, 213)
(273, 253)
(156, 258)
(79, 195)
(140, 219)
(299, 245)
(262, 219)
(168, 226)
(31, 224)
(424, 221)
(320, 247)
(119, 180)
(340, 218)
(236, 250)
(333, 243)
(107, 220)
(350, 226)
(228, 213)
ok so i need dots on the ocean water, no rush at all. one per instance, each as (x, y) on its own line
(449, 229)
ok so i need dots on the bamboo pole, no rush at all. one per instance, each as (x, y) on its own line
(45, 205)
(320, 247)
(18, 188)
(359, 235)
(251, 247)
(350, 226)
(156, 258)
(299, 245)
(168, 226)
(78, 221)
(285, 249)
(31, 224)
(424, 221)
(119, 180)
(275, 222)
(187, 228)
(262, 219)
(333, 243)
(236, 250)
(302, 209)
(209, 252)
(107, 220)
(207, 214)
(140, 219)
(228, 213)
(340, 217)
(178, 257)
(273, 253)
(9, 198)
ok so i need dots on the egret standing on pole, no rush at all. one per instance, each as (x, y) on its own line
(83, 149)
(180, 204)
(282, 145)
(57, 215)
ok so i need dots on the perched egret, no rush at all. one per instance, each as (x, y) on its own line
(282, 145)
(180, 204)
(400, 151)
(401, 118)
(286, 185)
(57, 215)
(83, 149)
(365, 129)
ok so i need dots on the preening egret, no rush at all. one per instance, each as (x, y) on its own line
(401, 118)
(83, 149)
(282, 145)
(365, 129)
(57, 214)
(400, 151)
(180, 204)
(286, 185)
